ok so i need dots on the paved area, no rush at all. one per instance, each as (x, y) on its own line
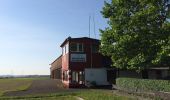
(41, 87)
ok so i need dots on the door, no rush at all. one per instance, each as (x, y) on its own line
(78, 77)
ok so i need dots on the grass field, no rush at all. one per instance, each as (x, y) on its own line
(86, 95)
(20, 84)
(14, 84)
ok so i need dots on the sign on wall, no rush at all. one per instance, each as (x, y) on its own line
(78, 58)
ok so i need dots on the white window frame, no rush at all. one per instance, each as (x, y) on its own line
(65, 49)
(77, 49)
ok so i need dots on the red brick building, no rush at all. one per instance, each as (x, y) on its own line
(81, 62)
(55, 68)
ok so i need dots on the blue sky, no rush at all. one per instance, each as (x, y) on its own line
(31, 31)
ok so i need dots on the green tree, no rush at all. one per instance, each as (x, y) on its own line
(138, 35)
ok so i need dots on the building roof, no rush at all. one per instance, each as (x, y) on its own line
(56, 63)
(69, 38)
(56, 59)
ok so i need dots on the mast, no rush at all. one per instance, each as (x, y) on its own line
(89, 25)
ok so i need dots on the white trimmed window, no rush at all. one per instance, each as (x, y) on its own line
(65, 49)
(76, 47)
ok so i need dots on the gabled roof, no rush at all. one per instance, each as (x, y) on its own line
(56, 59)
(69, 38)
(56, 64)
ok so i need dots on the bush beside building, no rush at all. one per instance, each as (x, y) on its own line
(143, 85)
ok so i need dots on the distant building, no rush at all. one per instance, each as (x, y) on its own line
(150, 73)
(81, 63)
(55, 68)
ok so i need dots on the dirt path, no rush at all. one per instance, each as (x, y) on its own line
(40, 87)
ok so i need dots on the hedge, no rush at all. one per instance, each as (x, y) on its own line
(142, 85)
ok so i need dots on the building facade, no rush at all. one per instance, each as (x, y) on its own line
(150, 73)
(55, 69)
(82, 63)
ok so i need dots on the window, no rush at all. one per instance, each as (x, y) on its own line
(76, 47)
(95, 48)
(65, 75)
(65, 49)
(73, 47)
(75, 77)
(81, 77)
(78, 77)
(80, 47)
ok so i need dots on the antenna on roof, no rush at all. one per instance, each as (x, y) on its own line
(89, 25)
(94, 25)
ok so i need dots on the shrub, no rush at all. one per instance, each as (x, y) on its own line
(143, 85)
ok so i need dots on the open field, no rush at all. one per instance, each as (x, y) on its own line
(47, 89)
(86, 95)
(14, 84)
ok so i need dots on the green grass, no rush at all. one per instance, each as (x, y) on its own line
(85, 94)
(101, 95)
(20, 84)
(14, 84)
(41, 98)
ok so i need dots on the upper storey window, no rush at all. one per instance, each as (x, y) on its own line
(65, 49)
(80, 47)
(73, 47)
(76, 47)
